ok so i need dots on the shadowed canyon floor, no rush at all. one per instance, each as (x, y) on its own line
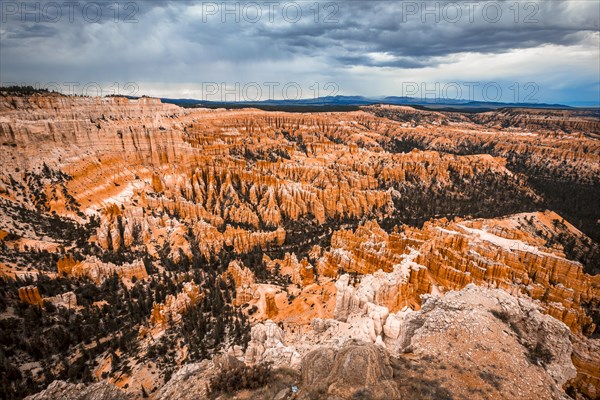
(148, 250)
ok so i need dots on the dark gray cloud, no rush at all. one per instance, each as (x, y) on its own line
(32, 31)
(426, 30)
(195, 41)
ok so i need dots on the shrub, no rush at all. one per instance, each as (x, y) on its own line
(317, 392)
(502, 315)
(362, 394)
(540, 354)
(491, 378)
(240, 377)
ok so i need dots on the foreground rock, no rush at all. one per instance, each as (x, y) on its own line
(60, 390)
(512, 253)
(502, 341)
(488, 343)
(476, 343)
(350, 372)
(189, 383)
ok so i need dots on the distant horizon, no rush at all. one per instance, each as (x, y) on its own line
(381, 99)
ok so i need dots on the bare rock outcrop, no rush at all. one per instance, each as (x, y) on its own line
(545, 140)
(60, 390)
(391, 291)
(478, 336)
(472, 311)
(542, 120)
(244, 282)
(267, 345)
(586, 358)
(349, 371)
(188, 383)
(300, 272)
(65, 300)
(31, 295)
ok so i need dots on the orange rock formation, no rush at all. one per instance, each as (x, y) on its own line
(30, 295)
(174, 306)
(506, 253)
(97, 270)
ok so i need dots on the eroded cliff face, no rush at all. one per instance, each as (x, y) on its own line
(510, 253)
(516, 254)
(97, 270)
(66, 129)
(244, 282)
(261, 235)
(550, 121)
(70, 391)
(494, 320)
(556, 151)
(159, 179)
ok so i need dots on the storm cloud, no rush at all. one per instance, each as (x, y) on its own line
(173, 48)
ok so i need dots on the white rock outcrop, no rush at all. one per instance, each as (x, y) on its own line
(267, 345)
(359, 305)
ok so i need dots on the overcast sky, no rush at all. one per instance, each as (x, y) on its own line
(526, 51)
